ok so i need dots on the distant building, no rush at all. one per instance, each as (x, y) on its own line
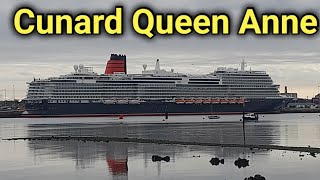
(303, 105)
(292, 94)
(316, 99)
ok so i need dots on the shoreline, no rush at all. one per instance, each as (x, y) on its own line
(311, 150)
(17, 115)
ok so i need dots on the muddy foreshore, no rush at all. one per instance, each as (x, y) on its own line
(311, 150)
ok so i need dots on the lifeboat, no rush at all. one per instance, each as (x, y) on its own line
(240, 101)
(123, 101)
(190, 101)
(109, 101)
(224, 101)
(233, 101)
(207, 101)
(180, 101)
(215, 101)
(134, 101)
(198, 101)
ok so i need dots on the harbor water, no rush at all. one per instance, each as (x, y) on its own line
(74, 159)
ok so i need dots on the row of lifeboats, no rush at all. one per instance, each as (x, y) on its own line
(210, 101)
(122, 101)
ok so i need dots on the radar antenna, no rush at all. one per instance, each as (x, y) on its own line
(144, 66)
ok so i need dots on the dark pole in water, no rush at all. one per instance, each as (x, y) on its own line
(5, 97)
(243, 124)
(166, 112)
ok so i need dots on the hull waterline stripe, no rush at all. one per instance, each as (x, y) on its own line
(142, 114)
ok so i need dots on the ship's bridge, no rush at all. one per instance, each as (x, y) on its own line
(224, 70)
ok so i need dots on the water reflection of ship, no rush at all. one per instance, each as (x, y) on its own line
(117, 160)
(116, 155)
(84, 154)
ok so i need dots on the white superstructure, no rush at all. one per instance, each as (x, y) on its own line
(84, 86)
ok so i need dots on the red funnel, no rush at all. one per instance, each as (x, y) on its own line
(116, 64)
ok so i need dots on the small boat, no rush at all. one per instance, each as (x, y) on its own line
(9, 112)
(251, 117)
(213, 117)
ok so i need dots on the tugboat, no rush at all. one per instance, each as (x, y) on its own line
(251, 117)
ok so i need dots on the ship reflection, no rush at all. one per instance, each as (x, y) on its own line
(117, 160)
(116, 155)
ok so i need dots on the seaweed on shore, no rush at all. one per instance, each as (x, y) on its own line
(256, 177)
(311, 150)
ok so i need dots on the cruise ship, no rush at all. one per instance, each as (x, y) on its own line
(84, 93)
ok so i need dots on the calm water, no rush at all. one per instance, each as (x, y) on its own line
(37, 160)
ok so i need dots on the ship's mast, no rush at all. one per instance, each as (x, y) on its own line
(243, 65)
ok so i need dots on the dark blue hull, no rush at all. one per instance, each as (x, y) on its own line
(151, 108)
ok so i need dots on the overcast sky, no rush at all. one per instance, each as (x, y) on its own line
(293, 60)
